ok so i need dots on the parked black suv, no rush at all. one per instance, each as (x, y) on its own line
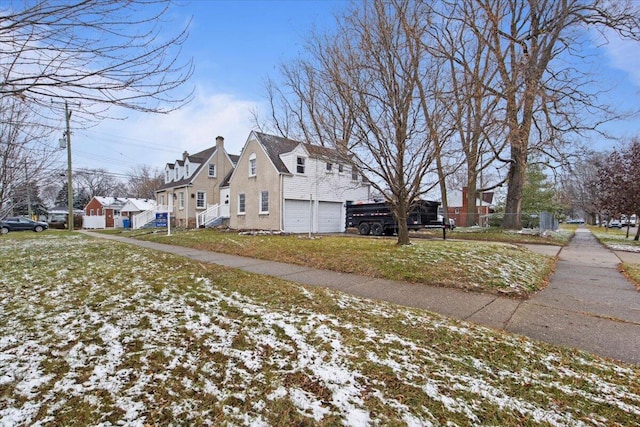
(21, 224)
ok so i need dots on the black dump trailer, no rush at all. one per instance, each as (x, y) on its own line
(377, 218)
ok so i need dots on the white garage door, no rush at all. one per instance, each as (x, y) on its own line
(296, 216)
(330, 218)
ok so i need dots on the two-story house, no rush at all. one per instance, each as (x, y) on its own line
(192, 184)
(286, 185)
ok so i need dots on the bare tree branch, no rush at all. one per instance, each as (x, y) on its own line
(100, 53)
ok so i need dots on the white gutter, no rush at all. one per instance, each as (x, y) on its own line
(282, 212)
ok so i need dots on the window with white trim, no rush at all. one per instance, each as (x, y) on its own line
(167, 178)
(242, 203)
(300, 161)
(354, 174)
(252, 164)
(264, 202)
(340, 167)
(201, 200)
(329, 167)
(176, 173)
(181, 200)
(212, 170)
(186, 170)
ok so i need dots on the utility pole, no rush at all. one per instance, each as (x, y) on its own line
(26, 177)
(67, 135)
(67, 115)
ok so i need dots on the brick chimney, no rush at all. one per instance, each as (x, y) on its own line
(220, 143)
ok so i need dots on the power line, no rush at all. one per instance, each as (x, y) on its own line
(128, 141)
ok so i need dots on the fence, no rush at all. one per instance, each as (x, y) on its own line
(545, 221)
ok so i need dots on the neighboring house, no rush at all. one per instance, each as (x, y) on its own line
(192, 184)
(103, 212)
(457, 209)
(136, 206)
(285, 185)
(109, 212)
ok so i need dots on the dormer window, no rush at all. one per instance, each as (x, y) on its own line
(212, 170)
(186, 169)
(300, 161)
(167, 177)
(176, 174)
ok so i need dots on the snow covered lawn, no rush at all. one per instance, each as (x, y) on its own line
(491, 267)
(94, 332)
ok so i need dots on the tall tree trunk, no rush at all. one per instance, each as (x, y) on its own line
(403, 230)
(472, 210)
(516, 179)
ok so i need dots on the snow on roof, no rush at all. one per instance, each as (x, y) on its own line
(138, 205)
(130, 203)
(111, 201)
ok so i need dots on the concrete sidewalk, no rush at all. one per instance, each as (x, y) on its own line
(588, 303)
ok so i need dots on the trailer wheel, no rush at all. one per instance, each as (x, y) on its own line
(377, 229)
(363, 228)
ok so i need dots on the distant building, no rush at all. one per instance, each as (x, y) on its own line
(457, 209)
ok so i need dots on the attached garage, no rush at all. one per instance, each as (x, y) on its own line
(330, 217)
(296, 216)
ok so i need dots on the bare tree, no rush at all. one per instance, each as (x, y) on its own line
(98, 182)
(360, 92)
(580, 188)
(373, 68)
(100, 54)
(619, 182)
(24, 155)
(144, 181)
(532, 43)
(471, 106)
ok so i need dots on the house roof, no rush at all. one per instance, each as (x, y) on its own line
(132, 203)
(111, 202)
(225, 182)
(200, 157)
(276, 146)
(138, 205)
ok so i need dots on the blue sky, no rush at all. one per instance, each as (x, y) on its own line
(235, 46)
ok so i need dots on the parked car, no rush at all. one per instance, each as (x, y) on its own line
(614, 223)
(21, 224)
(575, 221)
(628, 222)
